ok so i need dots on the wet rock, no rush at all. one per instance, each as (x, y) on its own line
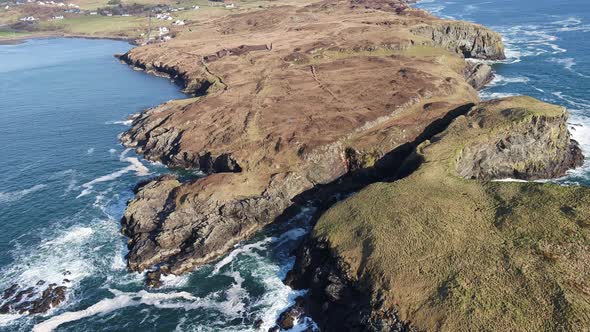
(258, 323)
(36, 302)
(65, 281)
(153, 279)
(67, 273)
(40, 282)
(287, 319)
(5, 308)
(22, 293)
(10, 291)
(58, 296)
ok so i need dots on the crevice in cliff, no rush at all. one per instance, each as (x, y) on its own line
(334, 302)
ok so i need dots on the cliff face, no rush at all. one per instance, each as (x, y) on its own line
(471, 40)
(447, 253)
(536, 145)
(337, 82)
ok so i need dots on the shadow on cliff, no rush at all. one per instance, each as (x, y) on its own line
(317, 270)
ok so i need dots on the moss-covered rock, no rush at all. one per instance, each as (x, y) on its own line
(454, 254)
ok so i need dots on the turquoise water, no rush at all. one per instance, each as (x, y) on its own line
(548, 50)
(64, 182)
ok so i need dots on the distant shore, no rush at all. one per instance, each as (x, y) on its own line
(23, 39)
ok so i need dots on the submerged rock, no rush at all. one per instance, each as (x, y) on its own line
(153, 279)
(32, 300)
(449, 253)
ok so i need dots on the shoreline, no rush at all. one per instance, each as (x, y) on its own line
(24, 39)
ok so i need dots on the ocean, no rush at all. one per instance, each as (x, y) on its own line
(64, 184)
(65, 178)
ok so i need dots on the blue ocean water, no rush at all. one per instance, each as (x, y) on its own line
(64, 183)
(548, 50)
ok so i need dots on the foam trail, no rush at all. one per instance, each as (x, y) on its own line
(135, 166)
(260, 245)
(121, 122)
(121, 300)
(13, 196)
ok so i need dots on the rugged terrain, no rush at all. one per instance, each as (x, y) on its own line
(287, 99)
(446, 249)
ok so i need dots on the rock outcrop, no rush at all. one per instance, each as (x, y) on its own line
(447, 253)
(478, 75)
(343, 86)
(37, 299)
(471, 40)
(535, 145)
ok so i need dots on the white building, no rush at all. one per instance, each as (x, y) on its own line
(163, 30)
(59, 17)
(230, 6)
(178, 22)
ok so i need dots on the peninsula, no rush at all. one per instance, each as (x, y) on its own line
(368, 109)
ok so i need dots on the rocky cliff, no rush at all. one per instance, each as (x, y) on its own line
(437, 251)
(471, 40)
(339, 87)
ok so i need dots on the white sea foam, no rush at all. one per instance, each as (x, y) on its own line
(567, 63)
(90, 151)
(121, 300)
(580, 131)
(574, 102)
(500, 80)
(13, 196)
(172, 281)
(486, 95)
(120, 122)
(242, 249)
(135, 166)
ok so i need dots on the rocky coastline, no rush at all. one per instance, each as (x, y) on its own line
(345, 98)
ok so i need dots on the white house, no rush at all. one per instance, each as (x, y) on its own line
(59, 17)
(163, 30)
(230, 6)
(178, 22)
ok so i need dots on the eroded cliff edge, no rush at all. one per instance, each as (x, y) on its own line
(446, 249)
(286, 99)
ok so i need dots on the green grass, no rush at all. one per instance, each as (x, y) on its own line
(100, 25)
(5, 34)
(464, 255)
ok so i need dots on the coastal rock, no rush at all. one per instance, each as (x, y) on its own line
(334, 300)
(471, 40)
(537, 145)
(478, 75)
(328, 100)
(447, 253)
(32, 300)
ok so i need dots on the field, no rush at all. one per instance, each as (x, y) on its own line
(99, 26)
